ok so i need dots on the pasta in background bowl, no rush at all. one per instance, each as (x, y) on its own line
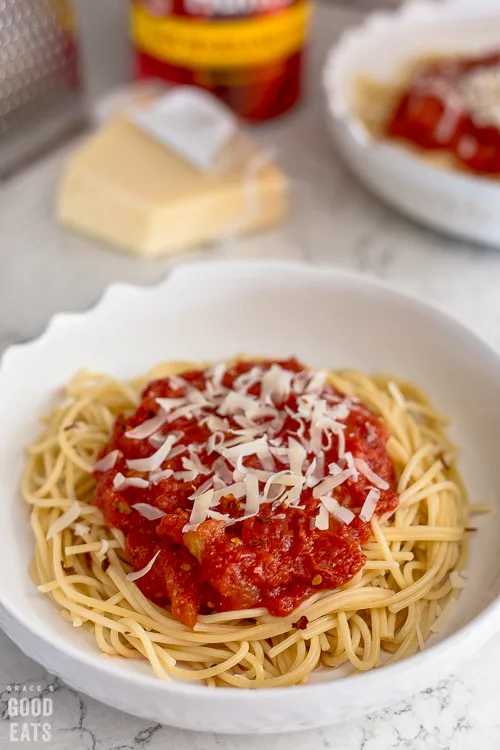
(384, 48)
(207, 312)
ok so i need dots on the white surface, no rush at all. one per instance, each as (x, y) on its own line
(333, 221)
(453, 201)
(219, 309)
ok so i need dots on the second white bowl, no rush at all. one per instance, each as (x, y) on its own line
(455, 202)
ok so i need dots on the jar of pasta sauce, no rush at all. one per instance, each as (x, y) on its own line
(247, 52)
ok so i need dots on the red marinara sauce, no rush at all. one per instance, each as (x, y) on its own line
(274, 559)
(453, 105)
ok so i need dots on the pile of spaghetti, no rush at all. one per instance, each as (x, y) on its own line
(247, 523)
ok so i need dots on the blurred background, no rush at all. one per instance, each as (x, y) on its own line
(104, 25)
(67, 67)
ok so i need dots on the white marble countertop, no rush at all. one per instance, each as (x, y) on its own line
(333, 221)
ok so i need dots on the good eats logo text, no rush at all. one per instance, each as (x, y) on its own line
(29, 714)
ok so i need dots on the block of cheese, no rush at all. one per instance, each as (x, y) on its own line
(125, 189)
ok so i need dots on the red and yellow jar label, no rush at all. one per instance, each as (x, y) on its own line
(229, 43)
(247, 52)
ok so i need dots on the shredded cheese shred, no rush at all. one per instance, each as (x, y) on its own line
(415, 559)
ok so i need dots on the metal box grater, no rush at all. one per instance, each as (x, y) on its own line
(40, 93)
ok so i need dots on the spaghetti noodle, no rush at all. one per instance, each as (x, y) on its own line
(402, 594)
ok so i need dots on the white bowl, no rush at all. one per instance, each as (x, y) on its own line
(458, 203)
(214, 310)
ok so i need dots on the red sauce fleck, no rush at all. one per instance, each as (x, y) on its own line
(434, 114)
(263, 561)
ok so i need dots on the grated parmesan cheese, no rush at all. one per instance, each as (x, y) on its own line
(222, 470)
(64, 521)
(147, 428)
(322, 520)
(216, 424)
(193, 463)
(364, 469)
(337, 511)
(317, 382)
(216, 440)
(458, 579)
(140, 573)
(207, 485)
(296, 456)
(246, 449)
(330, 483)
(170, 404)
(156, 476)
(155, 461)
(121, 482)
(148, 511)
(276, 384)
(199, 513)
(369, 505)
(351, 464)
(480, 89)
(186, 476)
(217, 373)
(252, 492)
(235, 402)
(107, 462)
(247, 379)
(247, 426)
